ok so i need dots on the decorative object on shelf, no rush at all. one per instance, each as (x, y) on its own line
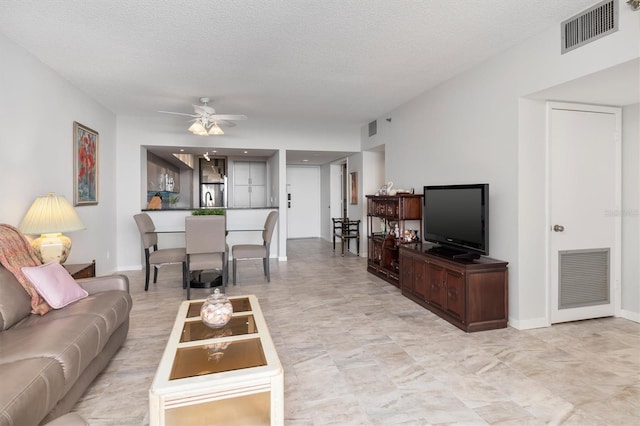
(354, 187)
(50, 216)
(383, 190)
(390, 190)
(205, 120)
(173, 200)
(216, 311)
(155, 203)
(85, 165)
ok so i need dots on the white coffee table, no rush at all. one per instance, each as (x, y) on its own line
(221, 376)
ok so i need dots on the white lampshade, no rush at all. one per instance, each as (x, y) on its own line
(198, 129)
(50, 216)
(215, 130)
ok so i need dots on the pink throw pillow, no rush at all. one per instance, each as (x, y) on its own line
(54, 284)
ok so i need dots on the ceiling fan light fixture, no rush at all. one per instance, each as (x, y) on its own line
(197, 128)
(205, 119)
(215, 130)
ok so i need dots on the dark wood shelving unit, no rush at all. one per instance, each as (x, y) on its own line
(383, 246)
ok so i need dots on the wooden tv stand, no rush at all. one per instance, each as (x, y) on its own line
(470, 294)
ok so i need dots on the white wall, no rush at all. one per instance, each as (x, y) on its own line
(37, 111)
(325, 201)
(357, 211)
(631, 212)
(372, 179)
(134, 132)
(477, 127)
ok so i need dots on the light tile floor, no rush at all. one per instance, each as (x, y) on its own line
(356, 352)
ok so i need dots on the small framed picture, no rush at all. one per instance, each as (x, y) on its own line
(354, 187)
(85, 165)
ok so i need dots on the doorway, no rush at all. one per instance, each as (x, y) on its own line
(584, 196)
(303, 202)
(344, 191)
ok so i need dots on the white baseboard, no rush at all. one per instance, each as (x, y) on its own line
(529, 323)
(129, 268)
(630, 315)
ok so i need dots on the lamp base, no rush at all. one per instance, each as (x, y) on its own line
(52, 247)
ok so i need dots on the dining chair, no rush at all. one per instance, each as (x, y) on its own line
(206, 246)
(153, 255)
(257, 251)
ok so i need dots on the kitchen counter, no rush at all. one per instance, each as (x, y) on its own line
(249, 220)
(178, 209)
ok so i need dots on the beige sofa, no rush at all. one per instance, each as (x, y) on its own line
(47, 362)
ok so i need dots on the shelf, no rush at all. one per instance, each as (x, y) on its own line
(383, 250)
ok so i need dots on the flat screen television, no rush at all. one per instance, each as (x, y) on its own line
(456, 218)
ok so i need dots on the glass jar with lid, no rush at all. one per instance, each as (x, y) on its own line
(216, 311)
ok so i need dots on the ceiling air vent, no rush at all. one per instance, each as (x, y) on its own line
(590, 25)
(373, 128)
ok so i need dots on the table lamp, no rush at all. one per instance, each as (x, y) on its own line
(50, 216)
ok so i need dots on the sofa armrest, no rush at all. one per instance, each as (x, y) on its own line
(105, 283)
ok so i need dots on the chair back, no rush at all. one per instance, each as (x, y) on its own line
(269, 225)
(146, 228)
(205, 234)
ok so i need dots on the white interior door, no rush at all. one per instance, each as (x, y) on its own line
(584, 199)
(303, 202)
(336, 191)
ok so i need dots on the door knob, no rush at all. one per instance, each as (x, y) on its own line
(558, 228)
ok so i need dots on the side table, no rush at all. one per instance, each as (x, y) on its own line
(81, 270)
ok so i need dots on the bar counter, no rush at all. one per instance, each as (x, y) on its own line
(249, 220)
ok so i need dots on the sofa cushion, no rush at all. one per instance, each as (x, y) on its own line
(72, 336)
(36, 386)
(15, 303)
(54, 284)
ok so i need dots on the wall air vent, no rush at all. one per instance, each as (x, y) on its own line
(590, 25)
(373, 128)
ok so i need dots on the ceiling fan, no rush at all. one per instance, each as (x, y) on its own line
(206, 121)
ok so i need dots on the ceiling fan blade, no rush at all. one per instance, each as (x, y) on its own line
(179, 113)
(218, 117)
(225, 123)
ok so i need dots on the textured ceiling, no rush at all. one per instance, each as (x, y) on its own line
(346, 61)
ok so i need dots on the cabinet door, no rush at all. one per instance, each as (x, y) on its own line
(377, 250)
(420, 285)
(258, 173)
(455, 294)
(436, 290)
(241, 196)
(258, 196)
(407, 276)
(154, 177)
(176, 181)
(241, 173)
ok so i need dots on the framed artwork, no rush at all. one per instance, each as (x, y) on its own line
(354, 187)
(85, 165)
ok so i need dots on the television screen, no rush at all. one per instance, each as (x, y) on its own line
(457, 217)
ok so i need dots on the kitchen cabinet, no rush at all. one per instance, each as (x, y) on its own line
(470, 294)
(249, 184)
(162, 176)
